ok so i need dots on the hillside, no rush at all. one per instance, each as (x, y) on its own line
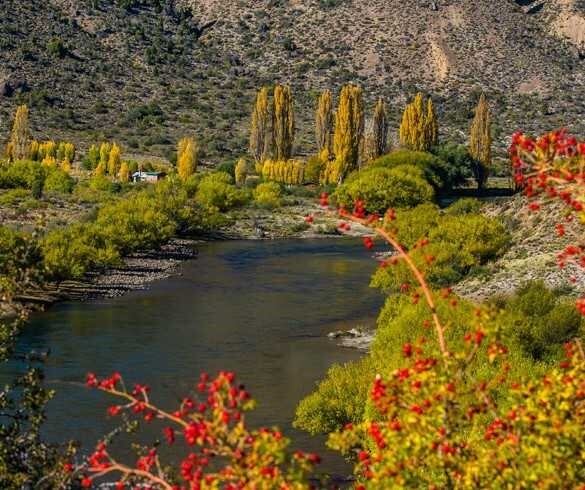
(146, 73)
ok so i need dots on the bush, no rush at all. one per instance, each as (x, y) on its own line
(217, 193)
(467, 205)
(436, 170)
(459, 164)
(59, 181)
(21, 174)
(313, 169)
(381, 188)
(268, 195)
(541, 321)
(338, 399)
(457, 244)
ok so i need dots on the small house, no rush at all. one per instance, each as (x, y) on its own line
(151, 177)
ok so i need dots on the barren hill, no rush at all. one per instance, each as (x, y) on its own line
(145, 72)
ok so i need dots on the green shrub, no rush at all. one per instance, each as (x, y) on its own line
(457, 244)
(541, 321)
(216, 192)
(459, 164)
(228, 168)
(435, 170)
(13, 197)
(268, 195)
(101, 183)
(21, 174)
(382, 188)
(313, 169)
(59, 181)
(467, 205)
(338, 399)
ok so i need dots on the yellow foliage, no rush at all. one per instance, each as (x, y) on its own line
(114, 160)
(47, 149)
(20, 136)
(49, 161)
(33, 153)
(349, 131)
(289, 172)
(187, 157)
(66, 165)
(419, 128)
(324, 123)
(259, 140)
(124, 174)
(241, 171)
(105, 149)
(480, 140)
(283, 123)
(100, 170)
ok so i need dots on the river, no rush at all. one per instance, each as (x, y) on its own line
(261, 309)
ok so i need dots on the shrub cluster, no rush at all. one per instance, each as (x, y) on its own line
(381, 188)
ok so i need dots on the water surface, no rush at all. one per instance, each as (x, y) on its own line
(261, 309)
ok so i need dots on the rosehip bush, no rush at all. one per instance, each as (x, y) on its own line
(219, 449)
(439, 424)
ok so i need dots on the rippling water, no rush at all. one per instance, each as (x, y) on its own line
(261, 309)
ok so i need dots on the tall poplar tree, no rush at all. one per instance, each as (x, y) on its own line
(19, 145)
(419, 128)
(348, 135)
(187, 157)
(380, 129)
(283, 125)
(480, 141)
(324, 124)
(114, 160)
(259, 132)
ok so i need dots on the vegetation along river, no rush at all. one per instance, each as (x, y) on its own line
(261, 309)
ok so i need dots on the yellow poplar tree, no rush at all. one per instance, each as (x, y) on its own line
(259, 138)
(20, 137)
(419, 128)
(105, 149)
(114, 160)
(241, 171)
(187, 157)
(283, 123)
(480, 141)
(324, 124)
(347, 138)
(124, 174)
(34, 150)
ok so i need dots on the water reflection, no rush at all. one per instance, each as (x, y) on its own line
(261, 309)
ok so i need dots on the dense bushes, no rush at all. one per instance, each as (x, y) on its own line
(381, 188)
(216, 192)
(540, 320)
(267, 195)
(458, 242)
(445, 170)
(36, 177)
(59, 181)
(534, 322)
(143, 220)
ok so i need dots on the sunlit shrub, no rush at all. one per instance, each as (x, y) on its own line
(268, 195)
(216, 192)
(380, 188)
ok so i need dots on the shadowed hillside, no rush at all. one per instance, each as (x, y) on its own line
(145, 72)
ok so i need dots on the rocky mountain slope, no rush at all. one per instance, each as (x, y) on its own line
(145, 72)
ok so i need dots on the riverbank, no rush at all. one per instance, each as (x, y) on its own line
(141, 269)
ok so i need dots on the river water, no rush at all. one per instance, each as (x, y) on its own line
(261, 309)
